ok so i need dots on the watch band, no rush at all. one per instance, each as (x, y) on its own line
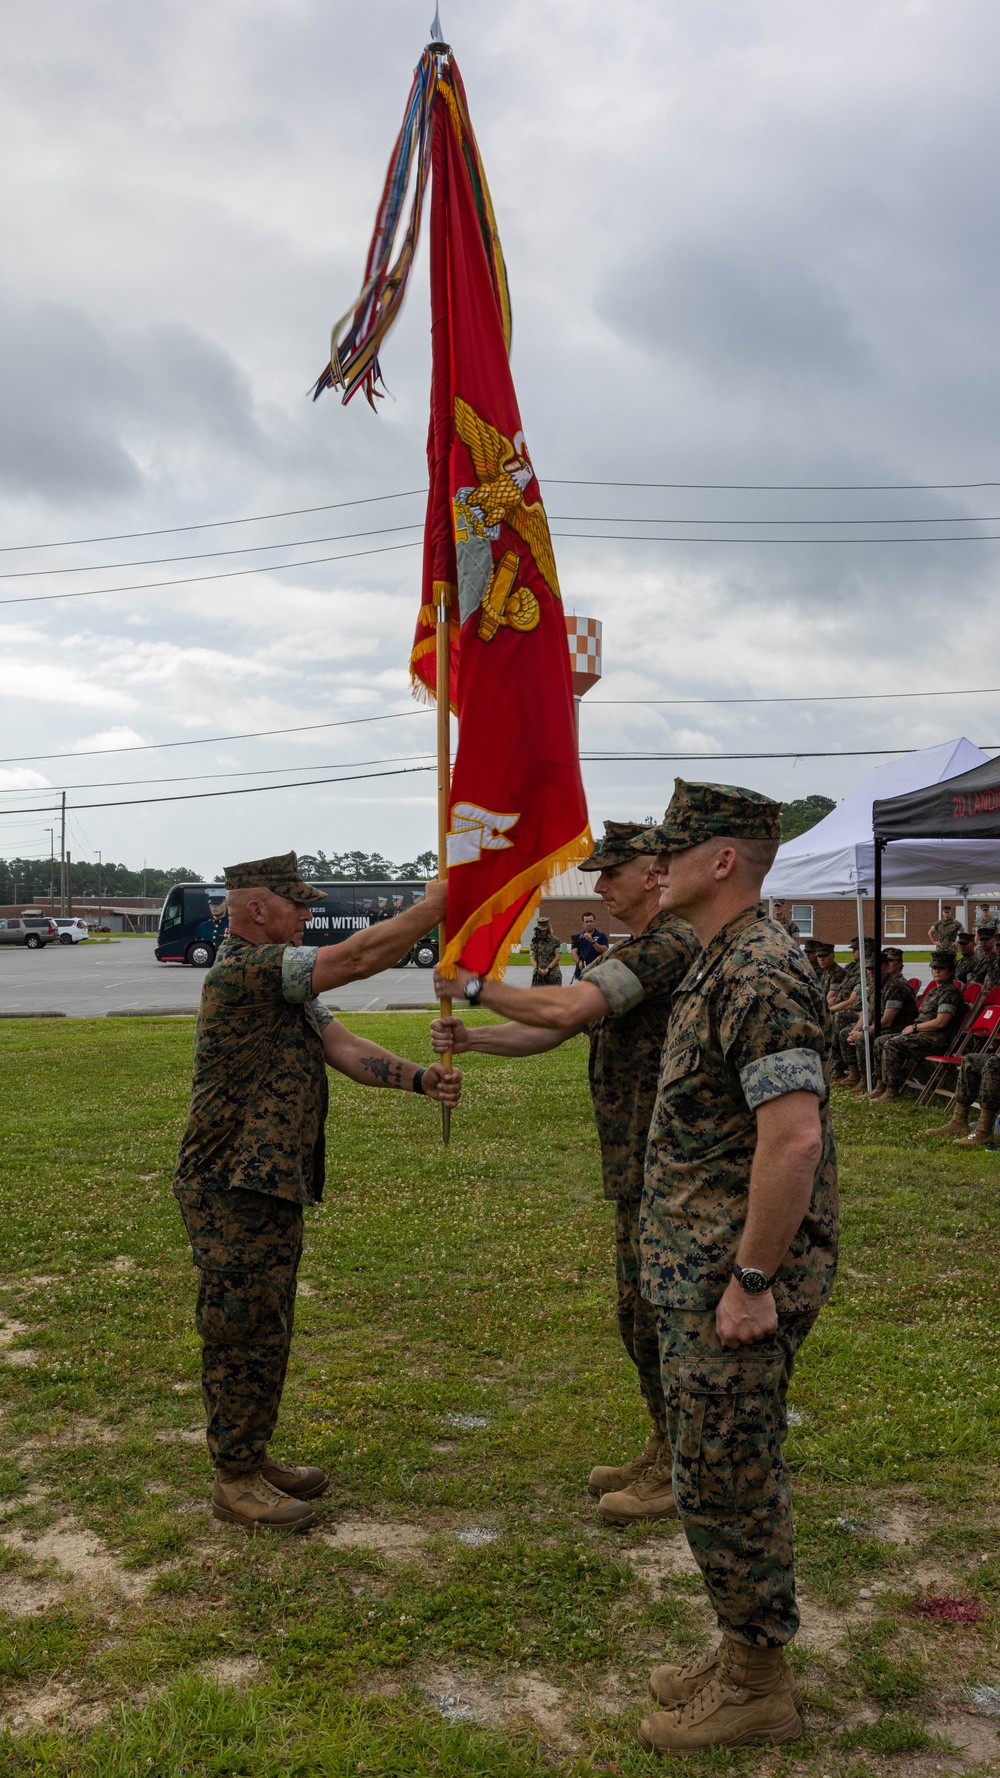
(473, 988)
(752, 1279)
(418, 1080)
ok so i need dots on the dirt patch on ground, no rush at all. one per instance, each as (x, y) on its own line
(977, 1740)
(304, 1289)
(661, 1560)
(517, 1699)
(181, 1435)
(904, 1525)
(123, 1263)
(81, 1429)
(80, 1554)
(11, 1330)
(823, 1629)
(21, 1596)
(57, 1706)
(235, 1670)
(397, 1541)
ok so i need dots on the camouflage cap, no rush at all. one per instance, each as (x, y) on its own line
(543, 920)
(281, 875)
(699, 812)
(823, 948)
(615, 847)
(965, 938)
(811, 944)
(942, 958)
(892, 954)
(986, 928)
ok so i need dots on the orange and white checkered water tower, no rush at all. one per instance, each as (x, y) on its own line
(584, 635)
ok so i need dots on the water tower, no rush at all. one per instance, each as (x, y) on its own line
(584, 635)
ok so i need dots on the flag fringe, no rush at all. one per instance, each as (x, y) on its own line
(533, 879)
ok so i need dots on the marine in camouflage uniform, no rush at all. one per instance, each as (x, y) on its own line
(831, 973)
(251, 1157)
(845, 1021)
(545, 949)
(945, 931)
(985, 965)
(898, 999)
(894, 1057)
(749, 1025)
(636, 979)
(965, 957)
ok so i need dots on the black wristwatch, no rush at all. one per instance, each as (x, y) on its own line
(473, 988)
(751, 1279)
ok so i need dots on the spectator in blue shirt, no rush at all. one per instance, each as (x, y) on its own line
(588, 946)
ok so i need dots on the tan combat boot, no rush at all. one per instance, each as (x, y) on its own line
(852, 1078)
(671, 1686)
(606, 1478)
(302, 1482)
(251, 1501)
(888, 1095)
(981, 1135)
(957, 1125)
(746, 1702)
(878, 1092)
(649, 1498)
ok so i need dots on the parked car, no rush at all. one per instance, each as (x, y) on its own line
(33, 933)
(72, 932)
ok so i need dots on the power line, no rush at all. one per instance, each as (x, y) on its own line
(150, 586)
(203, 777)
(250, 549)
(636, 537)
(254, 518)
(833, 697)
(301, 728)
(558, 518)
(408, 771)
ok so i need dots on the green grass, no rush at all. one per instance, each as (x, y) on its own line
(455, 1366)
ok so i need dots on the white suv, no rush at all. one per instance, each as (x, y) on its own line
(72, 932)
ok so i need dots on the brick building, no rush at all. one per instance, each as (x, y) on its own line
(119, 913)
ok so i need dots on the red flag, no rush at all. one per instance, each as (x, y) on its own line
(517, 811)
(517, 808)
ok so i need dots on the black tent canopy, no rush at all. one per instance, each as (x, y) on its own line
(962, 808)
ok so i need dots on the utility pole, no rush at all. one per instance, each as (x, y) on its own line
(100, 905)
(52, 866)
(69, 884)
(63, 878)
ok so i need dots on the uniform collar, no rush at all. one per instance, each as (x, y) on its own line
(724, 939)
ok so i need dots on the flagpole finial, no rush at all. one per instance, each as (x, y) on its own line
(437, 36)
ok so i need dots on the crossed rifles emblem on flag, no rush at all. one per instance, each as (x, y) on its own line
(505, 474)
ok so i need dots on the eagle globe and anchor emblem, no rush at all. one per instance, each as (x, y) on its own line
(505, 474)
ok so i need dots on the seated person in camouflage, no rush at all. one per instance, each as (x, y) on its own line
(545, 949)
(965, 956)
(830, 972)
(623, 1003)
(985, 966)
(899, 1008)
(938, 1022)
(252, 1156)
(810, 951)
(739, 1249)
(844, 1001)
(978, 1078)
(946, 929)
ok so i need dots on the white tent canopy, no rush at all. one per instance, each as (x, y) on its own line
(837, 856)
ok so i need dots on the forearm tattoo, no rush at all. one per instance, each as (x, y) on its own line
(384, 1069)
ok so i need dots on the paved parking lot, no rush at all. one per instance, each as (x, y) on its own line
(90, 980)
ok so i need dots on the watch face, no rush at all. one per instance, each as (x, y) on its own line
(753, 1281)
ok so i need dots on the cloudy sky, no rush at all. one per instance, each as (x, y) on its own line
(749, 242)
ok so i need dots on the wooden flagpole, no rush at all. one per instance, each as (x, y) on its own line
(442, 681)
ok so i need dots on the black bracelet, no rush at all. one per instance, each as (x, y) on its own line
(418, 1080)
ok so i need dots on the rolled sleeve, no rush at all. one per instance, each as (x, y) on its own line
(297, 965)
(787, 1071)
(621, 989)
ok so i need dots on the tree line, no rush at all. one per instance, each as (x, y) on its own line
(24, 879)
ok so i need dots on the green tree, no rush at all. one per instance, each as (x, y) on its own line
(802, 814)
(424, 865)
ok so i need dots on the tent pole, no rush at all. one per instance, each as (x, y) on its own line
(863, 984)
(963, 889)
(877, 1015)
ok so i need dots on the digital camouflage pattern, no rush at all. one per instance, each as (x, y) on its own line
(246, 1246)
(894, 1057)
(637, 1318)
(637, 978)
(259, 1097)
(831, 977)
(984, 968)
(615, 847)
(544, 950)
(979, 1078)
(945, 931)
(899, 996)
(699, 812)
(726, 1421)
(748, 1024)
(279, 874)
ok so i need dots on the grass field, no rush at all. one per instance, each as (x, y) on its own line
(459, 1609)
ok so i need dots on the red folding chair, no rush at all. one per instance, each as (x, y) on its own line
(982, 1021)
(914, 981)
